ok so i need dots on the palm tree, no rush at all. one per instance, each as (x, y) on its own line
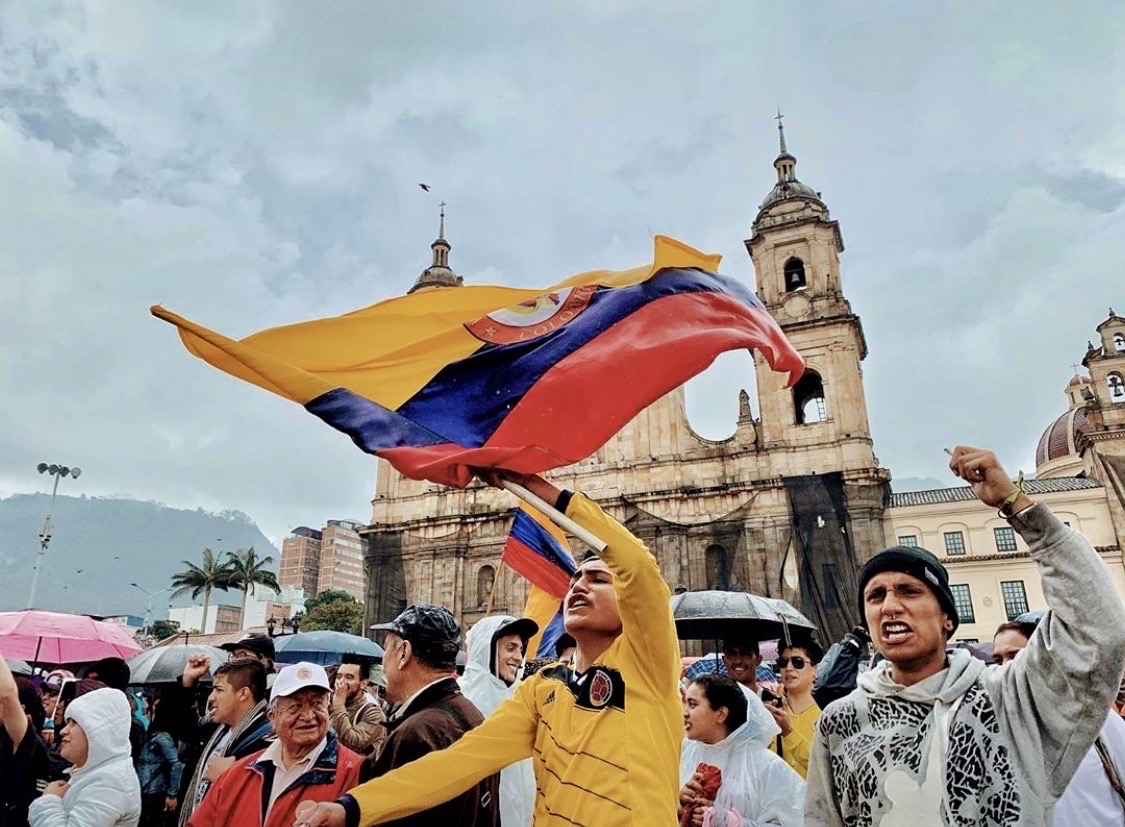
(197, 580)
(246, 571)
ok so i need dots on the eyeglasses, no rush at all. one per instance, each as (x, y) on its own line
(797, 661)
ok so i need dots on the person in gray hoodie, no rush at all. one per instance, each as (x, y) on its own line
(103, 790)
(933, 737)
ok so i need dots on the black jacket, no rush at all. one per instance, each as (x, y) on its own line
(23, 774)
(434, 720)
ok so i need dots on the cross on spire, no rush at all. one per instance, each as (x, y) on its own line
(780, 130)
(441, 226)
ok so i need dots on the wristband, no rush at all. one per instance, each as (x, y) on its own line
(1011, 498)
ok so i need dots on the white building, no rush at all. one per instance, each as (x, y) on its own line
(261, 605)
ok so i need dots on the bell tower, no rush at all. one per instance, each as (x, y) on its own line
(821, 423)
(815, 435)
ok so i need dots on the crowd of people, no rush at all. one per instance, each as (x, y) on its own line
(614, 730)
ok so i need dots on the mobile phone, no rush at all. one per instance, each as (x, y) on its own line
(769, 697)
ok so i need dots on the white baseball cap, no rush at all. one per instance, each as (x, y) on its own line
(298, 676)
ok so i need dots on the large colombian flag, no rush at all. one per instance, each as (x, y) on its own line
(445, 379)
(537, 549)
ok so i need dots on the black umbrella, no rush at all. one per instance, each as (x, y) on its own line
(719, 615)
(165, 664)
(325, 647)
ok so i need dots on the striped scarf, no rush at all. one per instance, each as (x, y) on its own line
(229, 738)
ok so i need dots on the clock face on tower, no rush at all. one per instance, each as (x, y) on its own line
(796, 306)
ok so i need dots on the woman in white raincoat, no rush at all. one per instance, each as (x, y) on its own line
(497, 645)
(103, 790)
(730, 730)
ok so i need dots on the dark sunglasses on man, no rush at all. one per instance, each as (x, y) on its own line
(797, 661)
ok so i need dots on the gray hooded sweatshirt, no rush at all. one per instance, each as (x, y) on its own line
(978, 745)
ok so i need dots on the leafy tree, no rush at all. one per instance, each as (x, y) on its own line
(161, 629)
(246, 571)
(202, 579)
(335, 610)
(327, 597)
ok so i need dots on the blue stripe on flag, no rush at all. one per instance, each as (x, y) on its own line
(538, 539)
(551, 636)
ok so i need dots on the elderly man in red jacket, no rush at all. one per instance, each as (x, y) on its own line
(304, 764)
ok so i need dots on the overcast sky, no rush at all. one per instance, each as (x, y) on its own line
(251, 164)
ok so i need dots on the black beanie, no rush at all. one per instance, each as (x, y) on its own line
(917, 562)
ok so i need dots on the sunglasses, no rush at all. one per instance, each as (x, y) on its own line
(797, 661)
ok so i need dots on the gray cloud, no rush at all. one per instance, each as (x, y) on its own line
(255, 165)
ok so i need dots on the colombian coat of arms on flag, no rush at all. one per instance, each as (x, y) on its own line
(446, 379)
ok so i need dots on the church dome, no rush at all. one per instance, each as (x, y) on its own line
(437, 276)
(439, 273)
(789, 189)
(1077, 380)
(1059, 440)
(787, 186)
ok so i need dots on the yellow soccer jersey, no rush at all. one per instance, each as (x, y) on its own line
(605, 745)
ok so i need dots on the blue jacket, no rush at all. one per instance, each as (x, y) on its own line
(159, 766)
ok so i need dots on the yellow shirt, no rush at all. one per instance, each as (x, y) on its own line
(606, 747)
(797, 745)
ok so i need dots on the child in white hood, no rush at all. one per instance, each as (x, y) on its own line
(730, 729)
(103, 790)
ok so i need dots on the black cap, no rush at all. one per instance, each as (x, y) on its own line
(255, 642)
(431, 630)
(919, 563)
(525, 627)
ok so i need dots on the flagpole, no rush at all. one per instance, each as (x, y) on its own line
(492, 592)
(564, 522)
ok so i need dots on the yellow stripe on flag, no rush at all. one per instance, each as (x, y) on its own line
(390, 350)
(541, 607)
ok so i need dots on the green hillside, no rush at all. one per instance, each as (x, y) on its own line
(102, 544)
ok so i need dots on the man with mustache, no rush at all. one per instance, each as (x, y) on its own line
(304, 764)
(604, 736)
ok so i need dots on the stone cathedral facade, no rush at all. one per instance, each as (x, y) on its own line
(784, 507)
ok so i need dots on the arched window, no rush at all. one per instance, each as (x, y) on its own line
(808, 399)
(1116, 387)
(486, 579)
(794, 275)
(718, 568)
(1119, 342)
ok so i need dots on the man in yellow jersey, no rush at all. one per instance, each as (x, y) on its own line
(604, 736)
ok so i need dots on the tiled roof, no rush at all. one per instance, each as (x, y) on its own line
(965, 493)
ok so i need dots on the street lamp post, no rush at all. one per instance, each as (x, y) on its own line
(58, 472)
(148, 609)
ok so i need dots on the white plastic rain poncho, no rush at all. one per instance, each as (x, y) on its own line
(758, 785)
(104, 792)
(481, 686)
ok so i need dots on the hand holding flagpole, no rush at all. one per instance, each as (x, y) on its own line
(496, 479)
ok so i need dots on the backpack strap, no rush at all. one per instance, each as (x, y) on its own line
(1110, 769)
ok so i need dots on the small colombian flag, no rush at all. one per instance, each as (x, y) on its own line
(537, 549)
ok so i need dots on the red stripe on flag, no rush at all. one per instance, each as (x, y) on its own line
(586, 398)
(538, 570)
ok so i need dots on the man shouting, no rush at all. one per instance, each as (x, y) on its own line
(604, 737)
(932, 736)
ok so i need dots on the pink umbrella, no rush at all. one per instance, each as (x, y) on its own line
(52, 637)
